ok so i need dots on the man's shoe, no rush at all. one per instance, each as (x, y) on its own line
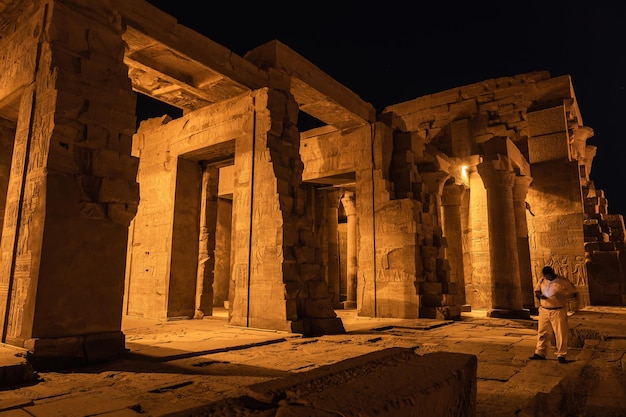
(538, 357)
(563, 360)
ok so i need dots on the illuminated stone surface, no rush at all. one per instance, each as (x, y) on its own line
(231, 204)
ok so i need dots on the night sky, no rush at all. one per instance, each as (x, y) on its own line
(388, 54)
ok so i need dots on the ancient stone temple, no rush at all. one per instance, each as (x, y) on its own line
(447, 202)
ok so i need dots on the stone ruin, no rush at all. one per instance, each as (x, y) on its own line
(445, 203)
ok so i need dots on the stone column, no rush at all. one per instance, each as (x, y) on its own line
(520, 189)
(506, 296)
(223, 230)
(478, 275)
(206, 250)
(349, 207)
(332, 260)
(62, 285)
(451, 199)
(7, 136)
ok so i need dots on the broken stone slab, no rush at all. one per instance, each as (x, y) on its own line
(391, 382)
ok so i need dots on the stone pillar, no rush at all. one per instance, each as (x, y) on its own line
(223, 229)
(333, 275)
(349, 207)
(451, 199)
(278, 277)
(206, 247)
(73, 190)
(506, 296)
(478, 275)
(520, 189)
(7, 136)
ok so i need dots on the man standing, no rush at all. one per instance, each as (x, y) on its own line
(552, 293)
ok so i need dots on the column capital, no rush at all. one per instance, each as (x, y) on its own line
(578, 141)
(494, 175)
(435, 180)
(452, 194)
(520, 187)
(349, 204)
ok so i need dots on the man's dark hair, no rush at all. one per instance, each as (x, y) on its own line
(547, 270)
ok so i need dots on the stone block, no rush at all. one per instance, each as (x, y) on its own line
(448, 287)
(114, 190)
(318, 309)
(403, 259)
(547, 121)
(109, 163)
(438, 313)
(391, 382)
(317, 289)
(311, 272)
(304, 254)
(292, 290)
(443, 275)
(448, 300)
(291, 309)
(592, 246)
(548, 147)
(431, 300)
(429, 288)
(454, 312)
(55, 353)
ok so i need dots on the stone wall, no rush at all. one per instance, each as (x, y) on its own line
(539, 114)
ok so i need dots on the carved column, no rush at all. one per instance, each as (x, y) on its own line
(520, 189)
(223, 230)
(478, 276)
(206, 251)
(350, 208)
(7, 136)
(332, 261)
(506, 297)
(451, 199)
(62, 285)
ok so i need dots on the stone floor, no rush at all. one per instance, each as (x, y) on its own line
(181, 368)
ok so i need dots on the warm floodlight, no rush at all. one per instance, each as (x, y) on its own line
(464, 175)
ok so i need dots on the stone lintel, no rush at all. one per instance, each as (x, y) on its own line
(316, 92)
(555, 89)
(175, 64)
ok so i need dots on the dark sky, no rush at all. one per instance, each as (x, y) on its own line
(388, 54)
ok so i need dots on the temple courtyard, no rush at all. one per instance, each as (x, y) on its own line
(208, 368)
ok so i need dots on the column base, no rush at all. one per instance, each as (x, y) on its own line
(349, 304)
(64, 352)
(509, 314)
